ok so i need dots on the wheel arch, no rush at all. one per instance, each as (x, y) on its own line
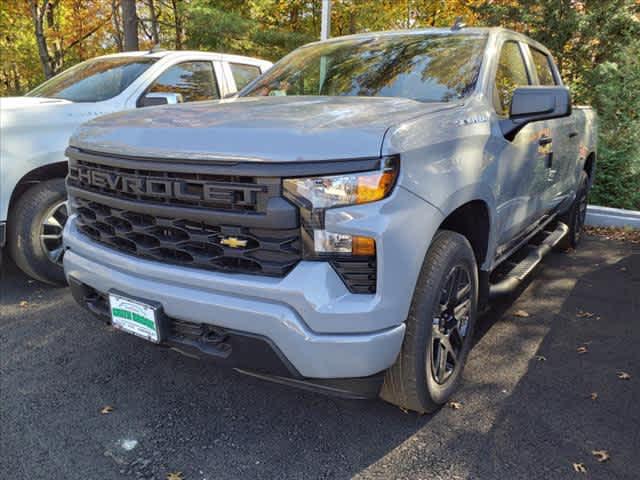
(37, 175)
(472, 220)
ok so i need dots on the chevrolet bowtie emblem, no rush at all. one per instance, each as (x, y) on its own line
(233, 242)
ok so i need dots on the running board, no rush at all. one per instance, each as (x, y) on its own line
(525, 266)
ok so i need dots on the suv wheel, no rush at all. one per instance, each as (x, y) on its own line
(35, 229)
(439, 328)
(576, 215)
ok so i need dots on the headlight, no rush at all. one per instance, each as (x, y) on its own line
(316, 194)
(319, 193)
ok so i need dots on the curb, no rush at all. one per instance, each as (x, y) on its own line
(612, 217)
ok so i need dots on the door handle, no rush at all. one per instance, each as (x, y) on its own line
(545, 140)
(573, 134)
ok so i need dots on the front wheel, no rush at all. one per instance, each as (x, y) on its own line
(35, 229)
(439, 328)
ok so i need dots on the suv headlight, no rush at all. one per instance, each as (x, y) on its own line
(314, 195)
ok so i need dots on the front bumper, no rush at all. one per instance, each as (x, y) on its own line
(313, 322)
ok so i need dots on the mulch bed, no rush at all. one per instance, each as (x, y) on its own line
(624, 234)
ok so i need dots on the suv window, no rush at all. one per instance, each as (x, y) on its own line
(243, 74)
(511, 73)
(543, 67)
(193, 80)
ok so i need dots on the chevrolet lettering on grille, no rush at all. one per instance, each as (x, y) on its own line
(165, 188)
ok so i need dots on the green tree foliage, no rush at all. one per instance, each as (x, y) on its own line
(616, 96)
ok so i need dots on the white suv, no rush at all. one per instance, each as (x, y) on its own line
(35, 131)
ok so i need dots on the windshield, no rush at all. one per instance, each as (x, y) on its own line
(94, 80)
(428, 68)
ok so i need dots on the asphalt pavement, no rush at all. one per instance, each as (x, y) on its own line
(526, 408)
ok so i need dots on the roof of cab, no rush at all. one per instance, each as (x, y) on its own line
(185, 53)
(482, 31)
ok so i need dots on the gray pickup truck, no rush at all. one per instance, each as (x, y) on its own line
(339, 225)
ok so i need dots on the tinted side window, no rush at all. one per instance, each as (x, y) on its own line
(543, 67)
(194, 80)
(243, 74)
(511, 73)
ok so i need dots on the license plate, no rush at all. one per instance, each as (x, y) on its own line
(133, 316)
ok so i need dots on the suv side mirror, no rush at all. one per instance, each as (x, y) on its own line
(533, 104)
(160, 98)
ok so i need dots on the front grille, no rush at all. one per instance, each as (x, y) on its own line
(202, 216)
(272, 252)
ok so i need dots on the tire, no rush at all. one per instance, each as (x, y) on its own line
(35, 231)
(576, 215)
(413, 382)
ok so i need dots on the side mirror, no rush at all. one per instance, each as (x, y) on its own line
(160, 98)
(533, 104)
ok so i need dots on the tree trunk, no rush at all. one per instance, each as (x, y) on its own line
(177, 19)
(155, 31)
(57, 58)
(130, 21)
(117, 24)
(37, 15)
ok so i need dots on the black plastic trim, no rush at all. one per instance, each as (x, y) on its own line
(229, 167)
(3, 234)
(358, 388)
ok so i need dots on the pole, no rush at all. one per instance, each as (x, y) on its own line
(325, 30)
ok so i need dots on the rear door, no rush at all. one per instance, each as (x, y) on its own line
(521, 180)
(241, 74)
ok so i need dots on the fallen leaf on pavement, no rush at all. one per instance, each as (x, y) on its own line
(624, 376)
(583, 314)
(175, 476)
(454, 405)
(541, 358)
(521, 314)
(23, 303)
(593, 395)
(106, 409)
(582, 349)
(580, 468)
(601, 455)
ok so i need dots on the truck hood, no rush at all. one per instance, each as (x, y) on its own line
(253, 128)
(20, 103)
(30, 113)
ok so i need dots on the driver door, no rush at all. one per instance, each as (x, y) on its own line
(521, 169)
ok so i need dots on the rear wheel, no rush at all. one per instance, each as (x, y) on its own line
(35, 231)
(439, 327)
(576, 215)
